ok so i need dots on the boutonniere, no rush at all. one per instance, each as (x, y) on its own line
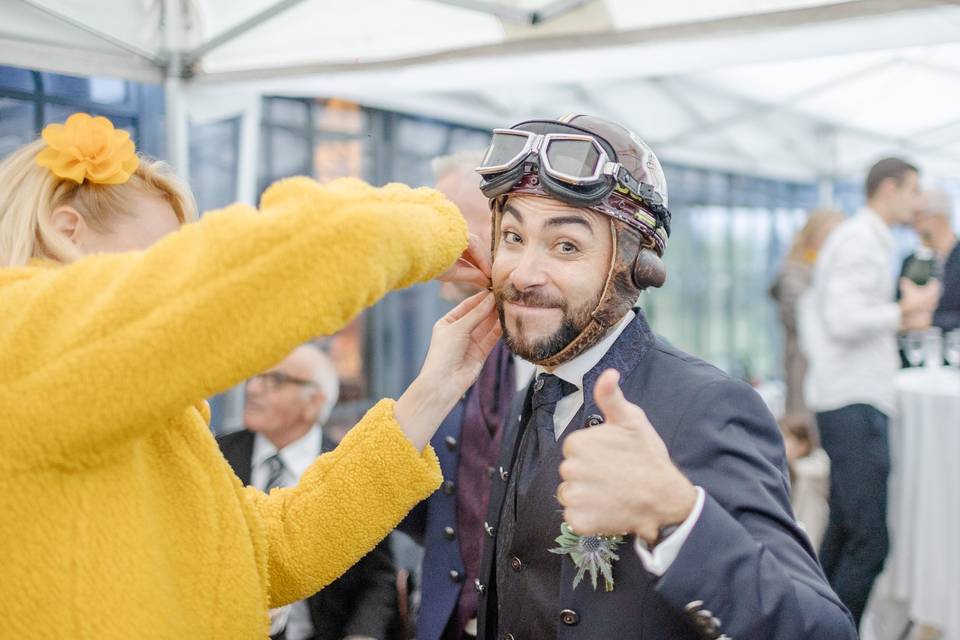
(593, 554)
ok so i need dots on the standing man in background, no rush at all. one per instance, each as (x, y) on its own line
(849, 324)
(284, 411)
(449, 524)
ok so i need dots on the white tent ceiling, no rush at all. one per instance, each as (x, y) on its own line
(797, 88)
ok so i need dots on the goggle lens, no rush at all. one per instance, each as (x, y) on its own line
(576, 158)
(504, 149)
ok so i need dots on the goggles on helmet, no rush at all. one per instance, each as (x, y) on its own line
(575, 168)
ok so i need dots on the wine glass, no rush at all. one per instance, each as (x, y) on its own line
(912, 344)
(951, 351)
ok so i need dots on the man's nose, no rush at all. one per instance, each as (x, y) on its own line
(529, 272)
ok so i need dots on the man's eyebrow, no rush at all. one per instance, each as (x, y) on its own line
(559, 221)
(512, 210)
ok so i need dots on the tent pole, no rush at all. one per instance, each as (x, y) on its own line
(178, 146)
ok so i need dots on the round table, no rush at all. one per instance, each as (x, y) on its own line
(924, 562)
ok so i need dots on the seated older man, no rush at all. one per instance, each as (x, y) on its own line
(284, 411)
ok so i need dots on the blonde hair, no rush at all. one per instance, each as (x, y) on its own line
(29, 194)
(814, 232)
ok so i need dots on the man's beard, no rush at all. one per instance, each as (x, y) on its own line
(572, 323)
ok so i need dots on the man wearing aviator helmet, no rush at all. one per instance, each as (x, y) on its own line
(650, 501)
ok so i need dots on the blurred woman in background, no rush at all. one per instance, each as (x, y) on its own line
(793, 279)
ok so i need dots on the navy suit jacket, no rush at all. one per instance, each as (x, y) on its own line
(747, 571)
(442, 564)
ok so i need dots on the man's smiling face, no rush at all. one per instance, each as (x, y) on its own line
(548, 273)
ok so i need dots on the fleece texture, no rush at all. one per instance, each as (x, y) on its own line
(119, 517)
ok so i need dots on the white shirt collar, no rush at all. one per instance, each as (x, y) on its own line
(876, 223)
(573, 371)
(296, 456)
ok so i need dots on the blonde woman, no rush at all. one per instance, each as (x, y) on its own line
(793, 279)
(120, 517)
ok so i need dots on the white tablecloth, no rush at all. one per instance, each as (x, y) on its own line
(923, 569)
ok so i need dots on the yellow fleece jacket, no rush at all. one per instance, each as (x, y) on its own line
(119, 517)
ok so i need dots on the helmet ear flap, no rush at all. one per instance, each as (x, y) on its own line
(496, 211)
(648, 269)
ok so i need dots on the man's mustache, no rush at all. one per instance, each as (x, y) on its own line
(532, 298)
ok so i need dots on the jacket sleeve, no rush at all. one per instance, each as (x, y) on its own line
(346, 502)
(104, 349)
(746, 563)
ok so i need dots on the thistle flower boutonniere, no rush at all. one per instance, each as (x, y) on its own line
(593, 554)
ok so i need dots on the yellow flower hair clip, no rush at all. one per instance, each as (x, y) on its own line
(88, 148)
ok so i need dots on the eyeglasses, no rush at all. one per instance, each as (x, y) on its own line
(273, 380)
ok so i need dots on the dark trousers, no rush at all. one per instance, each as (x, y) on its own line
(855, 544)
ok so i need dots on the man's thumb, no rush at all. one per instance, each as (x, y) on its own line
(610, 399)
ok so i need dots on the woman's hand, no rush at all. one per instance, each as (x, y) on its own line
(472, 267)
(461, 342)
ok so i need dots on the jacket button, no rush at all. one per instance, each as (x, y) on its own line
(449, 533)
(490, 530)
(504, 474)
(594, 420)
(451, 442)
(569, 617)
(515, 564)
(455, 575)
(448, 487)
(508, 636)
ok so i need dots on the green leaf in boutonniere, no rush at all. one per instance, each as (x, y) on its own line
(593, 554)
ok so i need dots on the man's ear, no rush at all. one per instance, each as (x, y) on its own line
(67, 221)
(316, 403)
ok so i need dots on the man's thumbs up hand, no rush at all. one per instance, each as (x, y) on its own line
(618, 477)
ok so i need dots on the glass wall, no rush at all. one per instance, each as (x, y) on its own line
(29, 100)
(729, 235)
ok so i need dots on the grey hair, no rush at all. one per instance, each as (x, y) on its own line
(327, 379)
(939, 203)
(463, 161)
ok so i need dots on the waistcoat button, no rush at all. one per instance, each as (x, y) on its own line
(569, 617)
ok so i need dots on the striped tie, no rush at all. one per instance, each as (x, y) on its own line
(275, 478)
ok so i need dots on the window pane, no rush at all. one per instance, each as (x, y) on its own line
(213, 163)
(291, 113)
(17, 125)
(72, 87)
(290, 153)
(109, 90)
(339, 158)
(14, 78)
(340, 116)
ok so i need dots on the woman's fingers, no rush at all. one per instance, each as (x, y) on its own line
(472, 267)
(473, 316)
(465, 307)
(477, 255)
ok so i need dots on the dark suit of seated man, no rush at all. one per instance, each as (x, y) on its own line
(660, 511)
(283, 409)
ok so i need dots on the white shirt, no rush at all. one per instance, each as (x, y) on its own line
(659, 560)
(848, 319)
(296, 457)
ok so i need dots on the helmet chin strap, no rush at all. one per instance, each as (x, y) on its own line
(619, 290)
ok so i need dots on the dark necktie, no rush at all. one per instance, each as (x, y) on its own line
(276, 468)
(539, 436)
